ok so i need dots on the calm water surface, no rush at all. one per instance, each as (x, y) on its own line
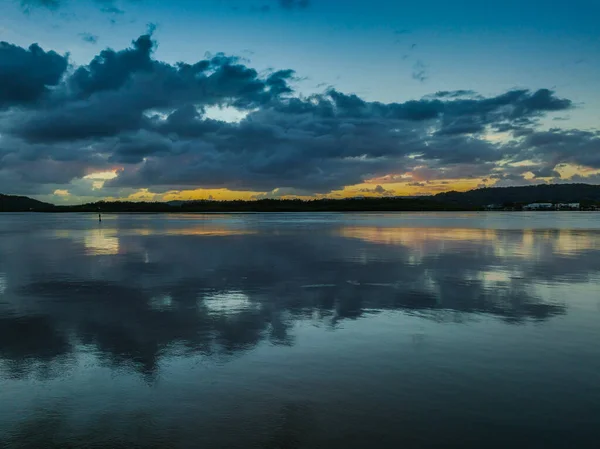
(300, 331)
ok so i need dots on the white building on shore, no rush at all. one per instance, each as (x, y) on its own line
(551, 206)
(539, 206)
(568, 206)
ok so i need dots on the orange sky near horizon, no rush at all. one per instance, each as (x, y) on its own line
(379, 187)
(361, 190)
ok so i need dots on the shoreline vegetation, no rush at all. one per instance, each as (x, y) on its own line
(495, 198)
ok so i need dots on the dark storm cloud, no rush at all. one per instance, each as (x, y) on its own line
(544, 100)
(132, 149)
(462, 125)
(110, 69)
(113, 92)
(278, 81)
(149, 118)
(41, 168)
(510, 107)
(545, 172)
(80, 120)
(559, 146)
(27, 74)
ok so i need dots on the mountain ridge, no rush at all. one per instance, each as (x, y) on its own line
(542, 193)
(16, 203)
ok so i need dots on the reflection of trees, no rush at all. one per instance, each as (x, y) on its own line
(154, 297)
(30, 343)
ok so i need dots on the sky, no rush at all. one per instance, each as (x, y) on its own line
(224, 99)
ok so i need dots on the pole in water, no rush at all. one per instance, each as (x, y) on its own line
(99, 216)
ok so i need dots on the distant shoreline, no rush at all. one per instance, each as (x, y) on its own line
(501, 199)
(349, 211)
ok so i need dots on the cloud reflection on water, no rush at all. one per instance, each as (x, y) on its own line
(214, 290)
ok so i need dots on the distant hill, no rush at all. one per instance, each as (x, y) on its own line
(12, 203)
(545, 193)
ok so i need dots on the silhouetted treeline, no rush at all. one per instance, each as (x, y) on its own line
(269, 205)
(510, 197)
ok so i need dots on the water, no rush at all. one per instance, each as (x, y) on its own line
(300, 330)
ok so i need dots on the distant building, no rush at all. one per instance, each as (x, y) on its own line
(568, 206)
(539, 206)
(494, 207)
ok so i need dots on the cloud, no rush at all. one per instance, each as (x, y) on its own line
(27, 74)
(127, 111)
(110, 70)
(89, 38)
(378, 190)
(50, 4)
(280, 193)
(419, 72)
(107, 6)
(112, 10)
(545, 172)
(549, 148)
(455, 94)
(117, 320)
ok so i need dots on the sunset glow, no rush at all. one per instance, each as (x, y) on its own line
(155, 102)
